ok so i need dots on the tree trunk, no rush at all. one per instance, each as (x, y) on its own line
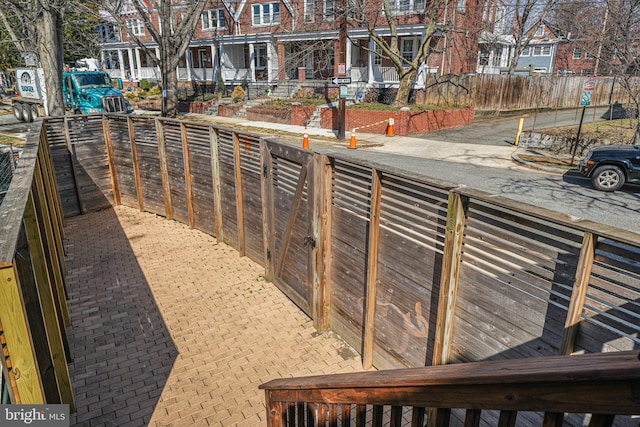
(169, 91)
(404, 88)
(51, 59)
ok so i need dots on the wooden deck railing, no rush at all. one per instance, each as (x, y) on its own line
(550, 391)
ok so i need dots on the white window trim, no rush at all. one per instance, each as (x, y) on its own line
(329, 15)
(415, 6)
(262, 15)
(573, 54)
(135, 26)
(539, 31)
(309, 9)
(217, 13)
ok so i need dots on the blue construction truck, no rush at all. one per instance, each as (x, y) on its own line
(85, 92)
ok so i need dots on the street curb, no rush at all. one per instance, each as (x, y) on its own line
(532, 165)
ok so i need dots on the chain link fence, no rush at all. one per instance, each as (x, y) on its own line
(9, 161)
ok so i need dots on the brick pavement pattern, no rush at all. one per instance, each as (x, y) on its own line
(171, 328)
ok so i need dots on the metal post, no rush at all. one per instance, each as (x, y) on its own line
(575, 147)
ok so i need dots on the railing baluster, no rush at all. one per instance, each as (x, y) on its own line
(507, 418)
(361, 415)
(377, 415)
(472, 418)
(601, 420)
(346, 415)
(396, 416)
(443, 417)
(301, 411)
(311, 415)
(321, 410)
(291, 414)
(333, 415)
(417, 417)
(553, 419)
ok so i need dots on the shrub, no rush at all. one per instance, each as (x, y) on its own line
(146, 84)
(238, 94)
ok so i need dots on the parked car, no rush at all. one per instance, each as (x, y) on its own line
(610, 166)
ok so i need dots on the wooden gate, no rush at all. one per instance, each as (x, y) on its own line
(292, 229)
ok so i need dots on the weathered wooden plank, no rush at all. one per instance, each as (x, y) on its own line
(579, 293)
(449, 278)
(187, 173)
(372, 271)
(15, 324)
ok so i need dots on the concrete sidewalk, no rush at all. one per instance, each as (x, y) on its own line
(477, 154)
(171, 328)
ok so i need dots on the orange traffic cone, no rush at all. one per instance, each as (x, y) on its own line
(352, 142)
(390, 128)
(305, 139)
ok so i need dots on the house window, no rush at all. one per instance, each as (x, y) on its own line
(261, 57)
(377, 58)
(539, 31)
(266, 14)
(483, 58)
(407, 6)
(135, 26)
(497, 57)
(213, 19)
(542, 51)
(526, 51)
(461, 5)
(309, 6)
(589, 55)
(329, 10)
(408, 52)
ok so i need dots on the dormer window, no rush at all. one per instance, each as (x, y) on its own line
(539, 31)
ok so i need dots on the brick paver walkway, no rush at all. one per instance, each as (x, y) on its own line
(171, 328)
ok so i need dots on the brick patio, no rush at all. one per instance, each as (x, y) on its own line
(170, 328)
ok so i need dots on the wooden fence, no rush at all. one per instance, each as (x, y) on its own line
(33, 310)
(409, 271)
(496, 93)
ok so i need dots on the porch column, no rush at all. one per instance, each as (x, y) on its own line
(121, 64)
(132, 67)
(222, 64)
(372, 55)
(139, 64)
(252, 62)
(189, 64)
(282, 64)
(157, 67)
(214, 64)
(269, 62)
(102, 59)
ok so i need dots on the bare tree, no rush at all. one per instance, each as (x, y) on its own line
(35, 27)
(609, 32)
(173, 30)
(527, 15)
(367, 15)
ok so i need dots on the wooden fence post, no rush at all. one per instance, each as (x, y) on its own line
(372, 271)
(239, 194)
(74, 164)
(164, 170)
(322, 234)
(215, 182)
(186, 157)
(579, 292)
(108, 141)
(268, 220)
(136, 165)
(456, 216)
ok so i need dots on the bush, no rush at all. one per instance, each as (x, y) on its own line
(146, 84)
(238, 94)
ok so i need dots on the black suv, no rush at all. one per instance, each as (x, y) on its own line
(610, 166)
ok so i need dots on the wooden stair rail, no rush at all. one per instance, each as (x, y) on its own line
(602, 384)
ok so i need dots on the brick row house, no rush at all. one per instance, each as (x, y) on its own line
(267, 41)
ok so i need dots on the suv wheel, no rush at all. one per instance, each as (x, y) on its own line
(608, 178)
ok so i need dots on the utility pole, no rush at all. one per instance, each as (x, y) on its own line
(342, 62)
